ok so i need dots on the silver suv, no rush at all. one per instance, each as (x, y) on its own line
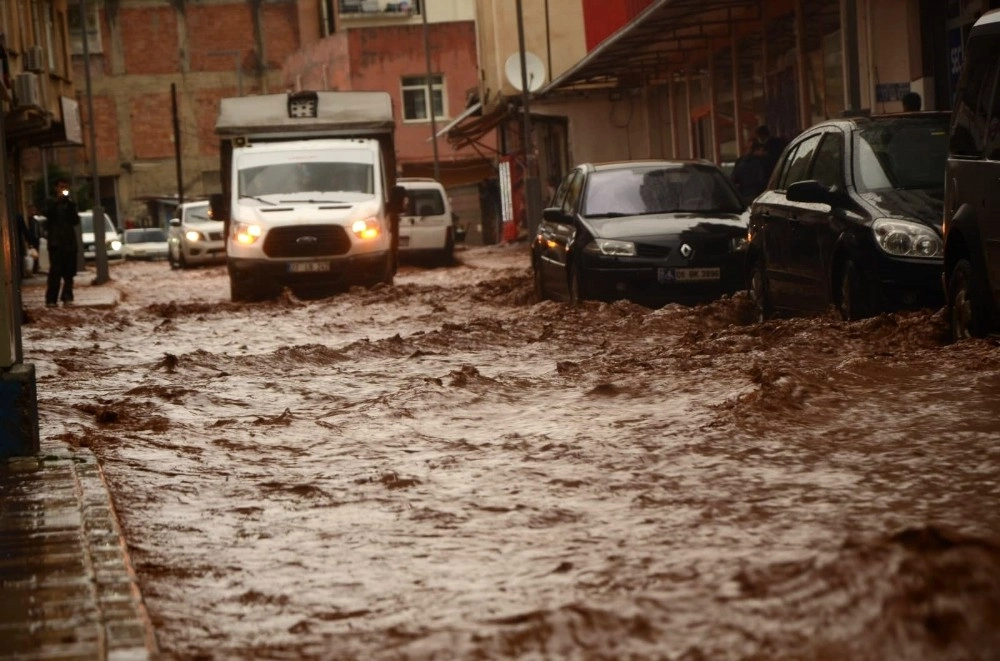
(195, 237)
(972, 195)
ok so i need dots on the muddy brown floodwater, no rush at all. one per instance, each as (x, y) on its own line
(450, 469)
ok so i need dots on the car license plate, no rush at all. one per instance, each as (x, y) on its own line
(308, 267)
(688, 275)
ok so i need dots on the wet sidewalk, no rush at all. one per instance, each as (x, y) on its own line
(67, 587)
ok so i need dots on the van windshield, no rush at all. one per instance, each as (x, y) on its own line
(310, 176)
(87, 224)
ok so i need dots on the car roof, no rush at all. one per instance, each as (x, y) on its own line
(988, 23)
(859, 121)
(621, 165)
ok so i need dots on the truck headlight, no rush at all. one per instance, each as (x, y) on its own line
(193, 237)
(902, 238)
(115, 245)
(367, 229)
(246, 233)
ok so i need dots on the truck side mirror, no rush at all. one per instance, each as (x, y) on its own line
(396, 199)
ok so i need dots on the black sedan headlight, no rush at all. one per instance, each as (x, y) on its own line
(610, 247)
(903, 238)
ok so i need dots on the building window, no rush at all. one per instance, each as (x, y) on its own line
(76, 29)
(415, 98)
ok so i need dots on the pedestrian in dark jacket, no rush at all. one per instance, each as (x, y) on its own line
(750, 174)
(62, 226)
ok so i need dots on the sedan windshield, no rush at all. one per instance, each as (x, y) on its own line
(656, 189)
(903, 154)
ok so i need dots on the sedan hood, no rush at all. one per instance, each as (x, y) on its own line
(924, 206)
(661, 224)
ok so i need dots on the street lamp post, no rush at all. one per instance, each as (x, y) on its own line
(100, 249)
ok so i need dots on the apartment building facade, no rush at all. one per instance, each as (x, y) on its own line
(664, 78)
(159, 67)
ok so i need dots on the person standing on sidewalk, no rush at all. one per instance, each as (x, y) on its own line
(63, 221)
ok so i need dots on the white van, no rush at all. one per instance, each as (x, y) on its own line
(426, 222)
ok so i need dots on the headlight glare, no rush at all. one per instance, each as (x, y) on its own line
(902, 238)
(367, 229)
(611, 247)
(115, 244)
(246, 233)
(193, 236)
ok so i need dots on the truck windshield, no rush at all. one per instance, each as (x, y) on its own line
(306, 177)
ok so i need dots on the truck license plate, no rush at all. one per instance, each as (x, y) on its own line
(688, 275)
(308, 267)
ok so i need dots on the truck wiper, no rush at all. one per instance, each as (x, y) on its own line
(259, 199)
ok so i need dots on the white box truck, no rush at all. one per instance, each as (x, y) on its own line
(309, 193)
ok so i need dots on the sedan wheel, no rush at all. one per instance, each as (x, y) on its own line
(576, 293)
(852, 304)
(758, 292)
(540, 292)
(965, 314)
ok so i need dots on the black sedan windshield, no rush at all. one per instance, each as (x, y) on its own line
(903, 154)
(646, 190)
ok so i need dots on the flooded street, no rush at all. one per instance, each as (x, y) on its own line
(448, 468)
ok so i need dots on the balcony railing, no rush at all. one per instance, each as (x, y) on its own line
(379, 7)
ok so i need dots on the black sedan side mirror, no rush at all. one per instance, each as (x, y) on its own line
(556, 215)
(812, 191)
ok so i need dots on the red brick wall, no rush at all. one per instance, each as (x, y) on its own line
(380, 57)
(105, 128)
(281, 34)
(152, 125)
(213, 28)
(206, 108)
(149, 40)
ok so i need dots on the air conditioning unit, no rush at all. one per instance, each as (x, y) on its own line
(34, 59)
(27, 90)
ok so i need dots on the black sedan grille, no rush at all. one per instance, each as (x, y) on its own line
(307, 241)
(650, 250)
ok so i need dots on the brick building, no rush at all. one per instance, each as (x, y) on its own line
(148, 57)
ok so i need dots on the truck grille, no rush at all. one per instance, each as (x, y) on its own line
(307, 241)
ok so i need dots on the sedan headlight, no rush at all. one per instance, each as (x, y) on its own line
(115, 245)
(246, 233)
(193, 236)
(902, 238)
(611, 247)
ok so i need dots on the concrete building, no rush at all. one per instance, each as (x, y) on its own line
(37, 107)
(664, 78)
(159, 68)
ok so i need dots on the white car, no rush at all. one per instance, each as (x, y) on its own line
(145, 243)
(195, 237)
(112, 240)
(426, 225)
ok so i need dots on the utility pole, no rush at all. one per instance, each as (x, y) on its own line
(532, 189)
(430, 93)
(177, 143)
(100, 248)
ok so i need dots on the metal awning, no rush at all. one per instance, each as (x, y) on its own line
(469, 130)
(669, 36)
(468, 111)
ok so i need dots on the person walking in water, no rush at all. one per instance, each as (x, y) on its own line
(62, 225)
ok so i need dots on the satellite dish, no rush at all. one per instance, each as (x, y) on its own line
(534, 68)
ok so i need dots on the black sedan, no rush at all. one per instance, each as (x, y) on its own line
(852, 219)
(652, 232)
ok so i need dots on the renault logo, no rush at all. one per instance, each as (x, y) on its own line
(306, 239)
(687, 251)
